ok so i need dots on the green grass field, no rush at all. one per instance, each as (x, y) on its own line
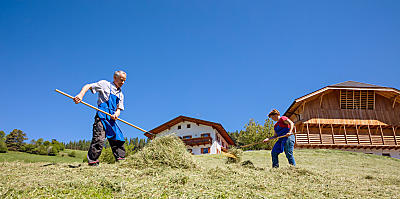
(29, 158)
(319, 174)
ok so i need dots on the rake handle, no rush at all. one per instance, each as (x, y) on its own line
(262, 141)
(65, 94)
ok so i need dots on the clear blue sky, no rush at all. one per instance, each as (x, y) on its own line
(223, 61)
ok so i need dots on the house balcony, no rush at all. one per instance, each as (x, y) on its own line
(197, 141)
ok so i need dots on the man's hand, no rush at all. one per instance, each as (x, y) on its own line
(116, 114)
(289, 134)
(114, 117)
(78, 99)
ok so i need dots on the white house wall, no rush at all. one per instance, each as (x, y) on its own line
(195, 131)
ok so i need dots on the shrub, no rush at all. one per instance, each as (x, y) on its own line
(3, 147)
(52, 151)
(72, 154)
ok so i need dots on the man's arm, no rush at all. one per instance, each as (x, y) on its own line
(291, 124)
(78, 98)
(116, 114)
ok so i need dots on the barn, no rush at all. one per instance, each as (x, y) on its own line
(350, 116)
(200, 136)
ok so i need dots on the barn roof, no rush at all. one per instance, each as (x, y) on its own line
(354, 84)
(182, 118)
(343, 85)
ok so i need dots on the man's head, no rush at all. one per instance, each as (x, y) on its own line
(274, 115)
(119, 78)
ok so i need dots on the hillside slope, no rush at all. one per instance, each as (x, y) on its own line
(319, 174)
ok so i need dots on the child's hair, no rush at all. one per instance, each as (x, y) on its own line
(273, 112)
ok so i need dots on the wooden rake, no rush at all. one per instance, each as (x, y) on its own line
(145, 132)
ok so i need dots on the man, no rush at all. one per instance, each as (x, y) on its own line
(283, 126)
(110, 100)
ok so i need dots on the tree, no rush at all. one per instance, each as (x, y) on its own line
(15, 139)
(3, 147)
(254, 132)
(2, 135)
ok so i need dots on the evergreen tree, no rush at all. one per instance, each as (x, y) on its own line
(15, 139)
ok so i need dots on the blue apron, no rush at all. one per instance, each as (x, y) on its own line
(113, 131)
(280, 144)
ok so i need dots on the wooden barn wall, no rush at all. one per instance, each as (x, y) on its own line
(328, 124)
(329, 109)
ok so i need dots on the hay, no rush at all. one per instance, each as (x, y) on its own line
(236, 152)
(166, 151)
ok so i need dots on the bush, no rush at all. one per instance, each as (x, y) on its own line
(168, 151)
(3, 147)
(72, 154)
(42, 150)
(52, 151)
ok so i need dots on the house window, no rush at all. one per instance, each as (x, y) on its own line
(188, 126)
(205, 150)
(179, 127)
(357, 99)
(205, 135)
(187, 137)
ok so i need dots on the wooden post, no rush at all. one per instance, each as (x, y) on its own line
(383, 140)
(358, 137)
(394, 134)
(308, 134)
(333, 135)
(345, 133)
(369, 133)
(320, 132)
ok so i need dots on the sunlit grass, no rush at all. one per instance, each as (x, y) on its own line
(319, 174)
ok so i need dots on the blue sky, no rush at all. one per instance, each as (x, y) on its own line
(223, 61)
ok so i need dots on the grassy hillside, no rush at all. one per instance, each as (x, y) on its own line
(319, 174)
(11, 156)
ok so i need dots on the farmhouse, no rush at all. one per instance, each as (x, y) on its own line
(200, 136)
(349, 116)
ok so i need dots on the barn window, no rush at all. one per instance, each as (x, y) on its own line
(188, 126)
(179, 127)
(357, 99)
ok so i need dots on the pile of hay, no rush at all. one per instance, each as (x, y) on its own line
(167, 151)
(236, 152)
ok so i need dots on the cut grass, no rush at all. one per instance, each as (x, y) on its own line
(11, 156)
(319, 174)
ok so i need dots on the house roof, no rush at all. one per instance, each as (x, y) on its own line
(182, 118)
(342, 85)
